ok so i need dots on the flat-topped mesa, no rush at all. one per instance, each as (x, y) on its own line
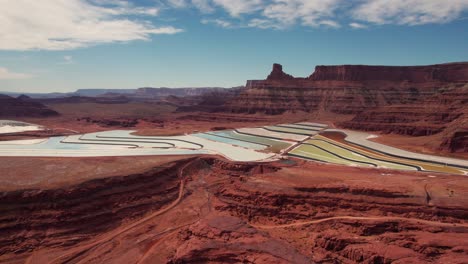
(451, 73)
(277, 74)
(347, 89)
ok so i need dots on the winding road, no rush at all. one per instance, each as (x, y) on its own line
(108, 237)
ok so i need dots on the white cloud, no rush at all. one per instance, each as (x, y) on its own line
(309, 13)
(264, 24)
(218, 22)
(177, 3)
(357, 25)
(414, 12)
(357, 14)
(120, 7)
(203, 5)
(5, 74)
(67, 59)
(327, 23)
(70, 24)
(238, 7)
(280, 14)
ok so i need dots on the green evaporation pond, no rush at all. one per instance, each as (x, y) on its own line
(275, 145)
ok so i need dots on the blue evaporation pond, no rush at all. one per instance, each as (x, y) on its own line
(118, 133)
(51, 143)
(273, 145)
(54, 143)
(231, 141)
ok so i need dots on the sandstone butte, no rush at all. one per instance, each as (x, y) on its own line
(408, 100)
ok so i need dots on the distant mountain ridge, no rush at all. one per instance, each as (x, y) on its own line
(14, 107)
(137, 92)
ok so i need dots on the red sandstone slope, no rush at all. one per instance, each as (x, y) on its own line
(450, 73)
(207, 210)
(349, 89)
(23, 107)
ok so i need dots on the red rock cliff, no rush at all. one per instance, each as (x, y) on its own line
(451, 72)
(278, 74)
(409, 100)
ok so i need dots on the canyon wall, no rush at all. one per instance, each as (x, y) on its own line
(451, 72)
(349, 89)
(408, 100)
(210, 210)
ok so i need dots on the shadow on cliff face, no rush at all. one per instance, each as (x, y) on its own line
(214, 210)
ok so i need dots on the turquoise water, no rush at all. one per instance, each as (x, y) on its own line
(131, 141)
(274, 145)
(231, 141)
(51, 143)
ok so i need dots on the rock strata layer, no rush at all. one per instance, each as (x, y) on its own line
(408, 100)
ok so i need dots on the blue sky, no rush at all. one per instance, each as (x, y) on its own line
(193, 43)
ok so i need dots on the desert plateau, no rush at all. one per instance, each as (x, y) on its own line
(179, 131)
(225, 181)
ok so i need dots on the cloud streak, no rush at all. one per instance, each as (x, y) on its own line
(71, 24)
(414, 12)
(357, 14)
(218, 22)
(5, 74)
(67, 59)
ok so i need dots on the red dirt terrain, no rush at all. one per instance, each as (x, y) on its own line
(208, 210)
(181, 209)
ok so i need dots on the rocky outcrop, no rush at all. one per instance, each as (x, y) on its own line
(228, 239)
(23, 107)
(456, 142)
(451, 73)
(348, 89)
(38, 218)
(209, 210)
(444, 110)
(408, 100)
(278, 74)
(129, 122)
(277, 207)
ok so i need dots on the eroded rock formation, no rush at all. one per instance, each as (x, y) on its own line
(208, 210)
(350, 89)
(449, 73)
(278, 74)
(408, 100)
